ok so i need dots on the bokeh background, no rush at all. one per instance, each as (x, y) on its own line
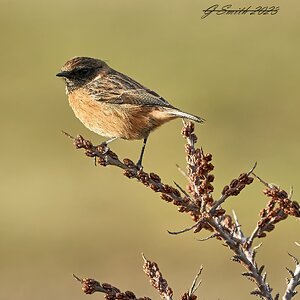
(61, 215)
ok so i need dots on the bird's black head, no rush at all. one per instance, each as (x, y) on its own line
(78, 71)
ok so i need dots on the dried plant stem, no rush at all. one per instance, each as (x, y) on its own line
(225, 196)
(151, 269)
(196, 282)
(293, 284)
(104, 157)
(246, 258)
(207, 214)
(294, 281)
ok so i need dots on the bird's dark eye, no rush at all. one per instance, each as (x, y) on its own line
(84, 72)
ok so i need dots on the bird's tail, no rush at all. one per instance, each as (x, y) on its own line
(182, 114)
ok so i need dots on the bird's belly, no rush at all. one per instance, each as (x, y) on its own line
(124, 121)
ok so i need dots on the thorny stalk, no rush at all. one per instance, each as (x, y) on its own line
(206, 212)
(294, 281)
(151, 269)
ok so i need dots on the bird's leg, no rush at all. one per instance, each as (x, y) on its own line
(104, 144)
(139, 163)
(109, 141)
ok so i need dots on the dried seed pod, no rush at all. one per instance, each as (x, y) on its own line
(208, 157)
(128, 173)
(102, 161)
(130, 295)
(89, 153)
(225, 190)
(234, 183)
(87, 143)
(154, 187)
(155, 177)
(166, 197)
(129, 163)
(249, 180)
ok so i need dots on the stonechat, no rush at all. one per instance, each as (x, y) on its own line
(114, 105)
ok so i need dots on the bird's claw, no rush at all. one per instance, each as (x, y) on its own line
(139, 166)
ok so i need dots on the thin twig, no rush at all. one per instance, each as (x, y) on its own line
(91, 286)
(181, 189)
(262, 181)
(183, 230)
(68, 135)
(77, 278)
(291, 193)
(196, 283)
(106, 157)
(238, 226)
(182, 172)
(208, 237)
(254, 234)
(225, 196)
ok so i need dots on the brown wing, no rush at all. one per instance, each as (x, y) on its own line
(120, 89)
(143, 97)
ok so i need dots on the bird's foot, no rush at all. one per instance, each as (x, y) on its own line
(139, 165)
(103, 148)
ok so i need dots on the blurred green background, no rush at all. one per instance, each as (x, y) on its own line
(61, 215)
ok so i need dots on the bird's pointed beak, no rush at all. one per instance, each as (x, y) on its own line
(63, 74)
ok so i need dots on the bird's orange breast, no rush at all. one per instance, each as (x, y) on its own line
(126, 121)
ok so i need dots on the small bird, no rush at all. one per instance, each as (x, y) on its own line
(114, 105)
